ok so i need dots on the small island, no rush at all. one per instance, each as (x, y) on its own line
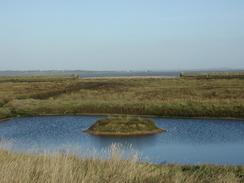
(124, 126)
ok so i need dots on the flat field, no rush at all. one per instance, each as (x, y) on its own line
(172, 97)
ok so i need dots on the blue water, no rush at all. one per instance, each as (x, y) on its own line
(190, 141)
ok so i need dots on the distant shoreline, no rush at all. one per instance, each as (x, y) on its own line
(114, 74)
(108, 114)
(127, 77)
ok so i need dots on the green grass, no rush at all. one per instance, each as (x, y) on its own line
(124, 125)
(138, 96)
(62, 168)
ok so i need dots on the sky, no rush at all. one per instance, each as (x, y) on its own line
(121, 35)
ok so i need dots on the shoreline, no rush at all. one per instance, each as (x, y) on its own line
(133, 115)
(131, 77)
(108, 114)
(164, 98)
(124, 134)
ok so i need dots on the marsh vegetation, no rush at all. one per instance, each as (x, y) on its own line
(179, 97)
(124, 126)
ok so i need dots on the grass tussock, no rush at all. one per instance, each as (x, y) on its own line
(62, 168)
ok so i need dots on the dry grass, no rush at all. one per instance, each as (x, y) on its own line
(61, 168)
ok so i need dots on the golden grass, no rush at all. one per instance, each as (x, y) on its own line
(64, 168)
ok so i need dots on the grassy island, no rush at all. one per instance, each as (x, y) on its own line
(124, 126)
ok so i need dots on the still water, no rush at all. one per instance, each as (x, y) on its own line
(190, 141)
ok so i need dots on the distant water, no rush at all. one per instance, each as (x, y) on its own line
(190, 141)
(129, 74)
(85, 73)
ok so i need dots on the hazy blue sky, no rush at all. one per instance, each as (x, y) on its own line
(121, 35)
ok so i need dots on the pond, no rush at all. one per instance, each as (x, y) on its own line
(188, 141)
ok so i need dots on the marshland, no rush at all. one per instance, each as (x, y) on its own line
(174, 97)
(122, 91)
(44, 118)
